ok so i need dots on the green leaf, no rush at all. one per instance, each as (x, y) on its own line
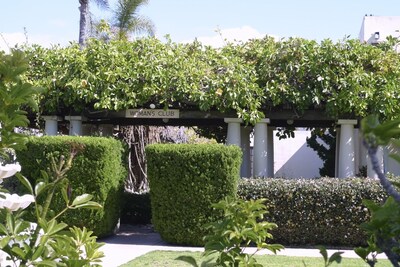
(3, 229)
(46, 263)
(81, 199)
(40, 187)
(362, 252)
(323, 252)
(10, 222)
(25, 182)
(18, 251)
(38, 252)
(89, 205)
(4, 241)
(336, 257)
(188, 259)
(21, 226)
(54, 227)
(64, 193)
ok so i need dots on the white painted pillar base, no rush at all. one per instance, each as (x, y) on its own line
(51, 125)
(233, 136)
(75, 124)
(346, 159)
(260, 150)
(245, 170)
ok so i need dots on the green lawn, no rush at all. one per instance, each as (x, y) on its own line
(167, 259)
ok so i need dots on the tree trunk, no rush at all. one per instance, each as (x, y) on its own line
(137, 137)
(84, 12)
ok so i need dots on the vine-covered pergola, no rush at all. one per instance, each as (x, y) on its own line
(260, 84)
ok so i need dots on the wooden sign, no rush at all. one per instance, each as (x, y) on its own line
(152, 113)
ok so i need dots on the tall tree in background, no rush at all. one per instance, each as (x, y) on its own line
(127, 21)
(85, 16)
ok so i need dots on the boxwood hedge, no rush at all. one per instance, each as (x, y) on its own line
(97, 170)
(184, 181)
(325, 211)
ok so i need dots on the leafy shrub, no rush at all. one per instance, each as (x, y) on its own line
(185, 180)
(97, 170)
(240, 227)
(136, 208)
(325, 211)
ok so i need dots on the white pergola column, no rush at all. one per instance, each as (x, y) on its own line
(51, 124)
(346, 158)
(233, 136)
(75, 124)
(245, 170)
(260, 150)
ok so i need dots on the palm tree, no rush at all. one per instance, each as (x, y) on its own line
(84, 15)
(127, 20)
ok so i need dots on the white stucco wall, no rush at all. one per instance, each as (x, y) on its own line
(391, 165)
(294, 159)
(384, 25)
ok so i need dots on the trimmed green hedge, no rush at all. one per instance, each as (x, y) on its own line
(184, 181)
(96, 170)
(325, 211)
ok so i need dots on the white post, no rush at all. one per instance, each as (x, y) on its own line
(346, 159)
(260, 150)
(75, 124)
(51, 124)
(233, 137)
(245, 170)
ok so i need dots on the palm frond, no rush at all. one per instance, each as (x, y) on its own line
(141, 25)
(127, 20)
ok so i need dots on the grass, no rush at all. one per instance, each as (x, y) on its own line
(167, 259)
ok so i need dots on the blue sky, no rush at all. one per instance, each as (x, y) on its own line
(56, 21)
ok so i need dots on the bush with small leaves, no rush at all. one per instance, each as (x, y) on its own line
(241, 226)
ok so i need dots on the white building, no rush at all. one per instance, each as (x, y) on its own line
(375, 29)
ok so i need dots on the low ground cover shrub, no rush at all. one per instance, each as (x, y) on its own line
(325, 211)
(97, 170)
(185, 180)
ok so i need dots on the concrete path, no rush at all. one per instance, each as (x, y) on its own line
(135, 240)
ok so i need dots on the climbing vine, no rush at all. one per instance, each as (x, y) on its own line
(345, 79)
